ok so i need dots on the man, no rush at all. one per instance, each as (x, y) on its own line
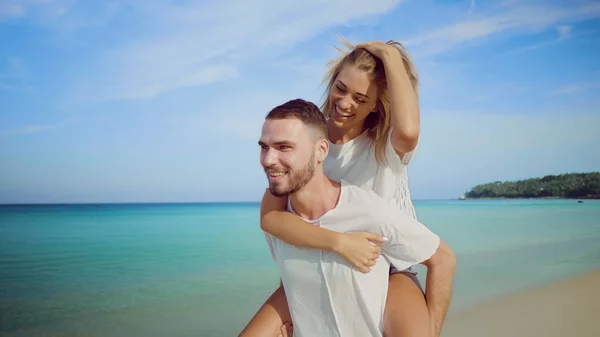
(326, 296)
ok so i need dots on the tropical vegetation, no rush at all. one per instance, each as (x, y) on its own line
(570, 185)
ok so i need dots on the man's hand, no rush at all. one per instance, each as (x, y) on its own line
(360, 249)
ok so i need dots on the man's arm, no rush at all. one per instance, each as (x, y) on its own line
(440, 274)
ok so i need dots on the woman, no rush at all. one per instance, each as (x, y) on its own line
(373, 125)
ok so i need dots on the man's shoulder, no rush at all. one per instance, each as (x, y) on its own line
(357, 196)
(356, 193)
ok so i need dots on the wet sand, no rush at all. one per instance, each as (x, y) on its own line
(567, 308)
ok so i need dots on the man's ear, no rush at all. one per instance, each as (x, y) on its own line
(323, 150)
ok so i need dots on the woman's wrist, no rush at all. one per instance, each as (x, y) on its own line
(337, 242)
(393, 61)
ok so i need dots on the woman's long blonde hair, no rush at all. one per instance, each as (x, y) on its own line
(377, 124)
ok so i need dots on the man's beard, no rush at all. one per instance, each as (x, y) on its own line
(297, 180)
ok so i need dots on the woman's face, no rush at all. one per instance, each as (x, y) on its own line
(353, 96)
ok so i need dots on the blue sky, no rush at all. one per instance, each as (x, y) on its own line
(150, 101)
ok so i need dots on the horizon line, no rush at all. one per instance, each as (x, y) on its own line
(163, 202)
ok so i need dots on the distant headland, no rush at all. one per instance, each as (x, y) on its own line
(568, 186)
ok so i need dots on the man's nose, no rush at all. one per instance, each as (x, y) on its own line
(269, 158)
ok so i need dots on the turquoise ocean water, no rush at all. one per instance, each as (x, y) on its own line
(204, 269)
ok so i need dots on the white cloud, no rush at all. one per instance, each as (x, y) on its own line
(15, 76)
(16, 68)
(576, 88)
(564, 31)
(509, 17)
(8, 10)
(243, 117)
(31, 129)
(37, 10)
(155, 79)
(181, 43)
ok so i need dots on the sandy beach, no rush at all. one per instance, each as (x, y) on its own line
(567, 308)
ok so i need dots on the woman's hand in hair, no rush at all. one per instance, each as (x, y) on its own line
(379, 49)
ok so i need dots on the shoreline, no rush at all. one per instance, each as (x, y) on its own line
(565, 308)
(532, 198)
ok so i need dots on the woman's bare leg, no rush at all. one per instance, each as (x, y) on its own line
(406, 313)
(269, 319)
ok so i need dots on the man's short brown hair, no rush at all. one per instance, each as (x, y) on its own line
(305, 111)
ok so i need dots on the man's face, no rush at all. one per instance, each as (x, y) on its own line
(287, 155)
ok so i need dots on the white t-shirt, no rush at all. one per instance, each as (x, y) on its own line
(355, 162)
(326, 295)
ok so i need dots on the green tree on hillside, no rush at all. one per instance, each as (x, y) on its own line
(570, 185)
